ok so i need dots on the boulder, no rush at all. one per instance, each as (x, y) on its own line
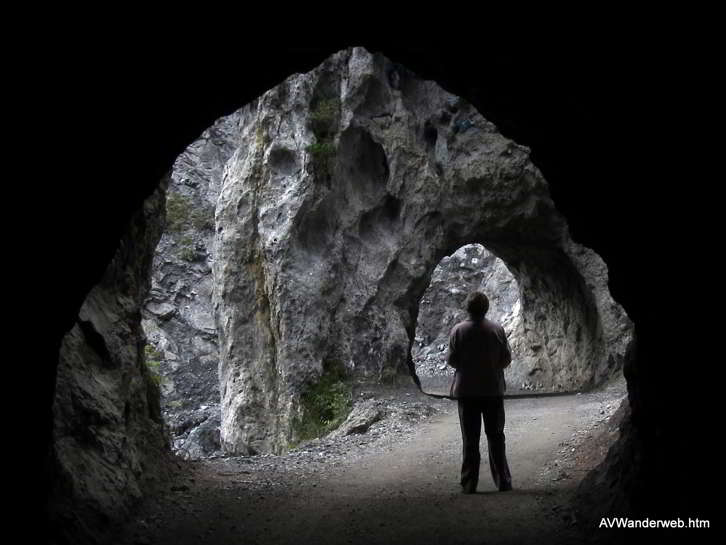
(360, 419)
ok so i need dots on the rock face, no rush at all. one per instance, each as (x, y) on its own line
(109, 443)
(470, 268)
(348, 186)
(178, 311)
(178, 318)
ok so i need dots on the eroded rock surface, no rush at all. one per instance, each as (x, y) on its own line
(348, 185)
(178, 317)
(109, 442)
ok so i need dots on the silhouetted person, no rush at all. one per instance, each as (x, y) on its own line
(479, 351)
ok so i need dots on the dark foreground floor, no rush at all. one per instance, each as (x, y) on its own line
(393, 493)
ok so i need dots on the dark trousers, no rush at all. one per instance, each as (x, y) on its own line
(471, 411)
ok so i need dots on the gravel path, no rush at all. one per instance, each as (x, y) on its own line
(397, 483)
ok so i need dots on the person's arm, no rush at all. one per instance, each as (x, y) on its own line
(453, 358)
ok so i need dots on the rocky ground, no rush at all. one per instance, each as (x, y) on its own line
(395, 483)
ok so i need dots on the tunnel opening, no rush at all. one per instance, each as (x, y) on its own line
(561, 333)
(555, 320)
(561, 348)
(560, 351)
(470, 268)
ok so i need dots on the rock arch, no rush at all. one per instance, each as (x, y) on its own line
(322, 263)
(471, 267)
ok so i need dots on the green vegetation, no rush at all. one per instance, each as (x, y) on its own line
(323, 153)
(182, 214)
(262, 139)
(203, 218)
(322, 149)
(324, 404)
(177, 211)
(324, 119)
(153, 362)
(181, 217)
(187, 251)
(176, 404)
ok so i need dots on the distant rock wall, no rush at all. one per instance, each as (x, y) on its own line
(470, 268)
(109, 442)
(348, 186)
(178, 314)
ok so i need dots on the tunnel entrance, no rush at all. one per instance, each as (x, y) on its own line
(562, 335)
(287, 249)
(328, 266)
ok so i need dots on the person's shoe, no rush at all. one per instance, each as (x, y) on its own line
(504, 487)
(468, 488)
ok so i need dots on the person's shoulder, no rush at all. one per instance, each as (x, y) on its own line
(494, 326)
(460, 325)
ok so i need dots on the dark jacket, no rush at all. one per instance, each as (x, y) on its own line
(479, 351)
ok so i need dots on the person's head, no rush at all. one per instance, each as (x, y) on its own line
(477, 305)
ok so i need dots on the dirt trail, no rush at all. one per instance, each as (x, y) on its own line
(404, 493)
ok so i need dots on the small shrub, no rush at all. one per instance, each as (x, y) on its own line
(324, 118)
(187, 251)
(203, 218)
(322, 149)
(153, 363)
(182, 214)
(323, 153)
(324, 404)
(177, 211)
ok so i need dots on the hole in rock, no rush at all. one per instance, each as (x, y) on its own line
(470, 268)
(554, 324)
(560, 351)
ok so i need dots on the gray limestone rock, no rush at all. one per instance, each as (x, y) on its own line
(178, 315)
(363, 415)
(347, 186)
(201, 438)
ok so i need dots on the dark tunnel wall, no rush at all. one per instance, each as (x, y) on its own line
(593, 117)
